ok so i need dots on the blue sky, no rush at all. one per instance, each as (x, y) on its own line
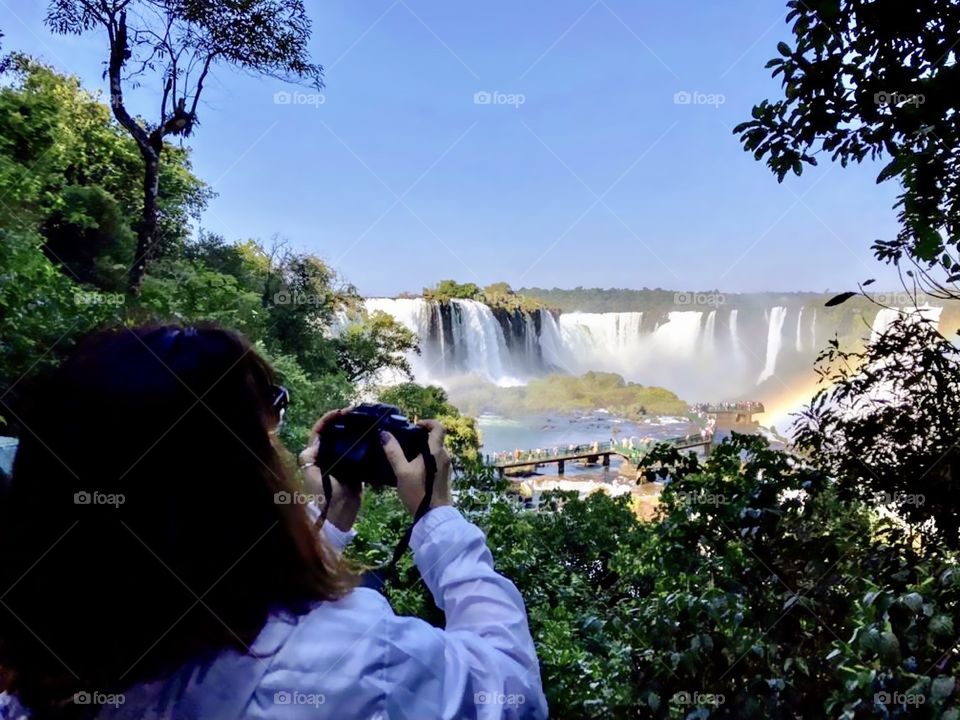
(599, 177)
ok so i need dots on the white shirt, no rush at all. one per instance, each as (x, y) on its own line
(354, 658)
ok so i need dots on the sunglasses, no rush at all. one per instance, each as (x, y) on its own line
(281, 401)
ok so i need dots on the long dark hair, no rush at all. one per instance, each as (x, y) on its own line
(143, 525)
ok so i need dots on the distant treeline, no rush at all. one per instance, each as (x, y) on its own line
(650, 300)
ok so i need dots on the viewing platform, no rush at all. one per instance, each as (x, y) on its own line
(734, 413)
(632, 451)
(732, 417)
(727, 416)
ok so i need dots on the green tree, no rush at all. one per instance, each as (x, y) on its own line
(875, 81)
(42, 312)
(446, 290)
(418, 401)
(885, 425)
(462, 438)
(372, 344)
(181, 41)
(65, 176)
(183, 292)
(67, 170)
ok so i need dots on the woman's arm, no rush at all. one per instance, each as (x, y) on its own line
(490, 663)
(490, 667)
(345, 503)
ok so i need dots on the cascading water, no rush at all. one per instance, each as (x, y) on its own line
(886, 317)
(882, 322)
(774, 341)
(464, 337)
(551, 342)
(480, 337)
(715, 354)
(710, 333)
(594, 339)
(800, 331)
(734, 335)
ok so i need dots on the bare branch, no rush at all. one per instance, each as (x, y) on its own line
(196, 94)
(117, 30)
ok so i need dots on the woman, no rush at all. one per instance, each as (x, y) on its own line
(152, 565)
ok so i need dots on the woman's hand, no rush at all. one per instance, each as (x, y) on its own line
(345, 503)
(412, 476)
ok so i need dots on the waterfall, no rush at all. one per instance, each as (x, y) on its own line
(882, 323)
(681, 350)
(774, 340)
(551, 342)
(531, 346)
(734, 335)
(679, 336)
(412, 313)
(886, 317)
(597, 335)
(799, 330)
(710, 334)
(479, 342)
(469, 339)
(615, 342)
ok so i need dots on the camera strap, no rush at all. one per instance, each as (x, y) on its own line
(378, 578)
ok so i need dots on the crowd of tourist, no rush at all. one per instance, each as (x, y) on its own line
(630, 446)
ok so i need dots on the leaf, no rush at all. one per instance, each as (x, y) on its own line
(943, 687)
(889, 648)
(913, 600)
(871, 281)
(941, 627)
(839, 299)
(784, 49)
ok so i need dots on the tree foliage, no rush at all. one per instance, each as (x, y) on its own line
(566, 393)
(68, 175)
(886, 425)
(874, 81)
(771, 585)
(758, 593)
(447, 290)
(180, 42)
(372, 344)
(69, 171)
(462, 438)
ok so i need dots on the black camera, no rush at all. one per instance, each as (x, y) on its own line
(350, 448)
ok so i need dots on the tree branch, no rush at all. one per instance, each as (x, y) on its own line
(196, 95)
(117, 31)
